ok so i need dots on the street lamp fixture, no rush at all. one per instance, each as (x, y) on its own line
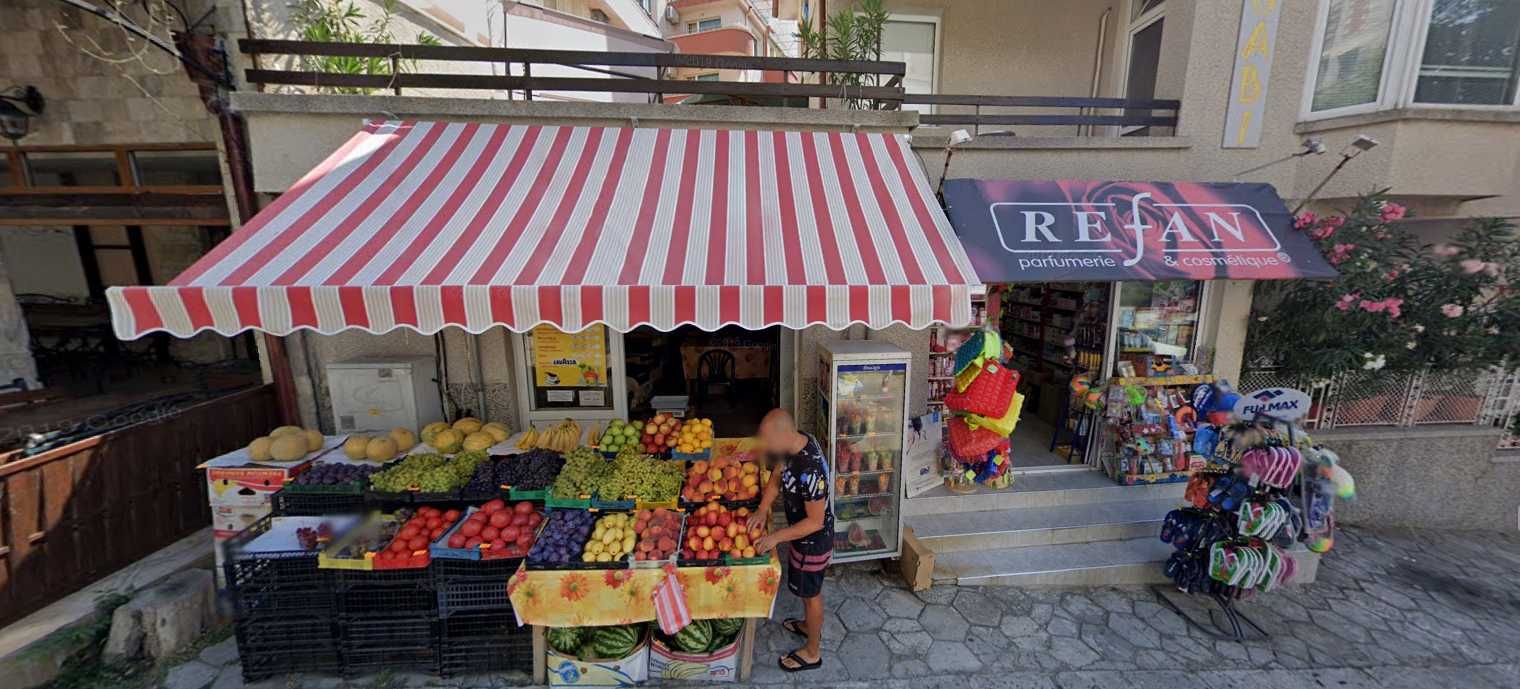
(1309, 147)
(1361, 144)
(957, 138)
(18, 105)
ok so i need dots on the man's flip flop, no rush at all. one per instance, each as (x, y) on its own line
(794, 626)
(800, 663)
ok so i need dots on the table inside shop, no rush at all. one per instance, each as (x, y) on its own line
(596, 597)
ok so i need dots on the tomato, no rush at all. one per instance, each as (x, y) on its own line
(519, 519)
(473, 542)
(397, 545)
(451, 515)
(524, 539)
(523, 507)
(436, 534)
(493, 506)
(470, 528)
(508, 533)
(534, 518)
(408, 532)
(456, 541)
(417, 543)
(434, 522)
(498, 544)
(490, 533)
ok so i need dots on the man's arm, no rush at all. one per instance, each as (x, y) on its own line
(807, 527)
(762, 515)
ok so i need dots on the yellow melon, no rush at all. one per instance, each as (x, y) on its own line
(447, 442)
(405, 439)
(433, 429)
(381, 449)
(314, 440)
(479, 440)
(353, 448)
(467, 425)
(287, 448)
(258, 450)
(497, 430)
(286, 430)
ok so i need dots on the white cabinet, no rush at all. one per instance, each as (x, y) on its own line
(378, 394)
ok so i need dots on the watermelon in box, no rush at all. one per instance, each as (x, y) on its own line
(616, 656)
(703, 651)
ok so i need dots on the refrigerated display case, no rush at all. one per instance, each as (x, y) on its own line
(861, 413)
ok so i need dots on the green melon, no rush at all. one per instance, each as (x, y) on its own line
(694, 637)
(566, 640)
(615, 642)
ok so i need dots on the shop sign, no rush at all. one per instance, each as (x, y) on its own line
(1286, 404)
(926, 437)
(1074, 230)
(1253, 70)
(570, 360)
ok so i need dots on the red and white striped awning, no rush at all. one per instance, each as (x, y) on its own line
(426, 225)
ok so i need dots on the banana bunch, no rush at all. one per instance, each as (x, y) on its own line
(561, 437)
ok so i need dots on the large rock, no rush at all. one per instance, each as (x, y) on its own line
(165, 618)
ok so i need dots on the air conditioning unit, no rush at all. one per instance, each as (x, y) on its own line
(378, 394)
(672, 14)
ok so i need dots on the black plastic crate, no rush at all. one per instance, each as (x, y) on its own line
(390, 593)
(288, 503)
(373, 643)
(472, 586)
(281, 583)
(277, 646)
(485, 642)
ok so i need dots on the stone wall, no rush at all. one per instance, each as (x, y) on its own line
(15, 346)
(1430, 477)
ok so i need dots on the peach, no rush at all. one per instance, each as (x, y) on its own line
(703, 531)
(715, 475)
(726, 544)
(741, 541)
(708, 543)
(749, 552)
(695, 542)
(732, 530)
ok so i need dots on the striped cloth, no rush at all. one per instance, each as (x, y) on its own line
(670, 603)
(423, 225)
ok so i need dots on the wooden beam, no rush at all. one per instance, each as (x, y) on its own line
(113, 209)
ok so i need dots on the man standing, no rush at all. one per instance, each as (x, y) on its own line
(800, 474)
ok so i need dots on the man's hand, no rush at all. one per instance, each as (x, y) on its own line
(759, 519)
(766, 543)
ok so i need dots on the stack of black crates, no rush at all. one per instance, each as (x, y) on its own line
(388, 620)
(284, 608)
(479, 629)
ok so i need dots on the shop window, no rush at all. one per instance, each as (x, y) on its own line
(177, 168)
(1157, 325)
(704, 25)
(73, 169)
(569, 370)
(1143, 62)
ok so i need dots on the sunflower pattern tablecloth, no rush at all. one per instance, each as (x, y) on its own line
(593, 597)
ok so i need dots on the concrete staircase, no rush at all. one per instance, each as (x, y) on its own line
(1053, 528)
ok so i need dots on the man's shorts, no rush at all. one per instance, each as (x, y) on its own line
(804, 573)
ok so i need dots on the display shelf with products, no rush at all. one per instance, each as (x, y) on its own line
(942, 343)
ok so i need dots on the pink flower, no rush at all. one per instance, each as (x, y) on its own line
(1392, 306)
(1452, 310)
(1341, 252)
(1347, 300)
(1372, 306)
(1445, 250)
(1304, 221)
(1327, 227)
(1491, 269)
(1393, 211)
(1473, 265)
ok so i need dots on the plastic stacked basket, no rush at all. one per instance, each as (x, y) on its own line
(984, 406)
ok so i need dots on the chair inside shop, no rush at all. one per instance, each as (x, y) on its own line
(715, 370)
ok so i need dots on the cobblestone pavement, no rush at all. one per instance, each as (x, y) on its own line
(1395, 609)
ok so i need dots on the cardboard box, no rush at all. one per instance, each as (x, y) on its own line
(721, 665)
(568, 671)
(235, 480)
(917, 562)
(229, 521)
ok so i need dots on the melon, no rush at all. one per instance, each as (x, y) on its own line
(446, 441)
(467, 425)
(380, 449)
(287, 448)
(497, 430)
(694, 637)
(258, 450)
(566, 640)
(286, 430)
(353, 448)
(479, 440)
(314, 440)
(433, 429)
(405, 439)
(616, 642)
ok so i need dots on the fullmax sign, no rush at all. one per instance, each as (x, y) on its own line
(1082, 231)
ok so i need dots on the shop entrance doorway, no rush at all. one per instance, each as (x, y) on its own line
(730, 375)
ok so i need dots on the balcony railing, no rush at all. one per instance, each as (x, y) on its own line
(1069, 111)
(608, 72)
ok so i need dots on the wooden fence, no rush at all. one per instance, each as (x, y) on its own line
(74, 514)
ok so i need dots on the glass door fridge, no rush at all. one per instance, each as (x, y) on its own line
(860, 421)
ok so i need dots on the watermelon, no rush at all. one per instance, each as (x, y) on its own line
(694, 637)
(615, 642)
(725, 630)
(566, 640)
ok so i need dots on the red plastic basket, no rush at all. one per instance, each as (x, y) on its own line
(989, 394)
(968, 444)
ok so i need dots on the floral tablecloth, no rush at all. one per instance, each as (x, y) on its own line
(592, 597)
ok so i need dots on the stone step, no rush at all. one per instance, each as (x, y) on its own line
(1044, 489)
(1032, 526)
(1132, 561)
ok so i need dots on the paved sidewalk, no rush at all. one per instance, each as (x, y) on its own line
(1395, 609)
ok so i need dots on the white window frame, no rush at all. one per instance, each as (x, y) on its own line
(617, 372)
(1137, 25)
(1407, 34)
(939, 44)
(696, 26)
